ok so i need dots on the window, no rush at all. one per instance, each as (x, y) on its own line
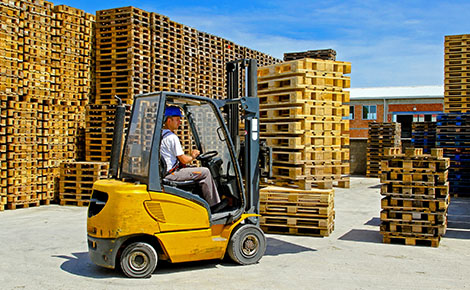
(369, 112)
(351, 112)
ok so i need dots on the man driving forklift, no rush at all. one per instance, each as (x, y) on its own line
(176, 161)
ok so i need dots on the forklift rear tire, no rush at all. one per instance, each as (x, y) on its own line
(247, 245)
(139, 260)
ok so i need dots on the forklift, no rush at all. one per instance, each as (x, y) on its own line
(136, 217)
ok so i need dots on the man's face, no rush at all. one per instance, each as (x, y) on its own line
(173, 122)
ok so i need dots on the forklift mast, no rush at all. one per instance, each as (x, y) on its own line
(248, 110)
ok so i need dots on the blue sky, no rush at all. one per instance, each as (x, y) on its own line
(389, 43)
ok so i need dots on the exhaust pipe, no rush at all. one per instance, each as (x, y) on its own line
(117, 139)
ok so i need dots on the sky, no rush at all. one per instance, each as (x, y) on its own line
(389, 43)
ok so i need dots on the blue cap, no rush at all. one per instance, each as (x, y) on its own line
(173, 111)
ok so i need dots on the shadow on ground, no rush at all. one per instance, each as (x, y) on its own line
(458, 218)
(458, 224)
(368, 236)
(365, 235)
(277, 247)
(80, 264)
(373, 222)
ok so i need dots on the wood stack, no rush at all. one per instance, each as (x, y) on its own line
(76, 181)
(64, 114)
(11, 82)
(381, 136)
(301, 118)
(298, 212)
(325, 54)
(453, 135)
(41, 79)
(416, 196)
(457, 76)
(140, 52)
(424, 135)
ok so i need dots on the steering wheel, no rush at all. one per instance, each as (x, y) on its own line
(206, 156)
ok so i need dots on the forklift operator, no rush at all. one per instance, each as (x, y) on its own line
(176, 160)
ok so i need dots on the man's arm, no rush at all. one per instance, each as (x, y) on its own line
(185, 159)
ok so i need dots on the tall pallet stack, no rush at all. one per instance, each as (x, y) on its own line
(457, 76)
(38, 97)
(123, 69)
(416, 197)
(381, 136)
(453, 135)
(140, 52)
(301, 118)
(210, 66)
(299, 212)
(25, 115)
(64, 114)
(423, 135)
(11, 82)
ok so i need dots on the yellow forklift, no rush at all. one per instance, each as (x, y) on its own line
(136, 217)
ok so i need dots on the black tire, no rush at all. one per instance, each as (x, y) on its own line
(247, 245)
(138, 260)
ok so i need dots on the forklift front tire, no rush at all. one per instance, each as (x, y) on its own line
(247, 245)
(139, 260)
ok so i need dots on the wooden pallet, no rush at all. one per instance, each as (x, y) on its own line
(308, 184)
(74, 202)
(297, 222)
(392, 238)
(303, 66)
(298, 231)
(412, 216)
(414, 204)
(302, 95)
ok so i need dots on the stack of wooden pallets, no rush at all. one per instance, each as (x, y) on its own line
(381, 136)
(76, 181)
(140, 52)
(424, 135)
(25, 115)
(123, 63)
(301, 118)
(326, 54)
(64, 114)
(298, 212)
(416, 196)
(43, 82)
(453, 135)
(457, 75)
(11, 82)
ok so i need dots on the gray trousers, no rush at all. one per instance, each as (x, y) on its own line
(201, 174)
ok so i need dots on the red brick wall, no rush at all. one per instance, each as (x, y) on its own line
(361, 126)
(411, 108)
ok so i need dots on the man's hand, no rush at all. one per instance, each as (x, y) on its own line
(195, 153)
(185, 159)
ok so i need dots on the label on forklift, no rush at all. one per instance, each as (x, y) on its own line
(254, 129)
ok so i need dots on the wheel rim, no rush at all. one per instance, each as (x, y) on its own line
(138, 261)
(250, 246)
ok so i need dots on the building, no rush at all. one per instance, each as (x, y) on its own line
(389, 104)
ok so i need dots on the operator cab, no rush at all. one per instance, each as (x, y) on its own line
(202, 128)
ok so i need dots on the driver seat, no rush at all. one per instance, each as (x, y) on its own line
(186, 185)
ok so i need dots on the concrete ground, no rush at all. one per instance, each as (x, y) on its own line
(45, 248)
